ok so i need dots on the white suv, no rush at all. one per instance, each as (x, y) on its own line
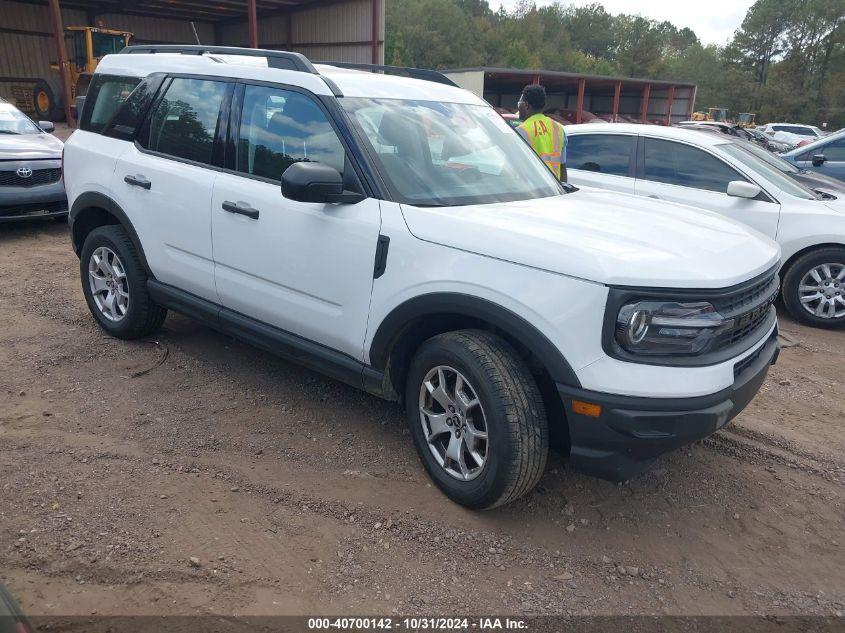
(397, 234)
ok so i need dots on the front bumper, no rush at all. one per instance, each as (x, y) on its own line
(631, 432)
(21, 203)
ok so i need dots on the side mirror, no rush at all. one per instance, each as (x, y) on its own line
(47, 126)
(742, 189)
(819, 160)
(316, 182)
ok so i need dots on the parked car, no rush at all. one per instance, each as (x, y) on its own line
(824, 156)
(399, 235)
(729, 178)
(793, 133)
(30, 168)
(821, 184)
(768, 142)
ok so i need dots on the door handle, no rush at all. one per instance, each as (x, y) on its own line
(138, 181)
(653, 196)
(248, 211)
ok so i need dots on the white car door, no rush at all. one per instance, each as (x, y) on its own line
(165, 185)
(305, 268)
(678, 172)
(601, 160)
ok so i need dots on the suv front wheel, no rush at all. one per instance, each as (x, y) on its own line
(115, 285)
(477, 418)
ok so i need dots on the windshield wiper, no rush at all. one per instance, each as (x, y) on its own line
(8, 132)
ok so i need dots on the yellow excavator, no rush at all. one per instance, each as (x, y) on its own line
(89, 44)
(712, 114)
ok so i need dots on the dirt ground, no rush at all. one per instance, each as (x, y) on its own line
(192, 474)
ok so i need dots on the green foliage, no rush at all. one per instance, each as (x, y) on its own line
(786, 61)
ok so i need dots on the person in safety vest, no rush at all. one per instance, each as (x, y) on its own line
(545, 135)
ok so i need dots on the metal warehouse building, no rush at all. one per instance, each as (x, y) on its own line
(582, 96)
(323, 30)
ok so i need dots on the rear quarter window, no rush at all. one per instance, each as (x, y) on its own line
(105, 96)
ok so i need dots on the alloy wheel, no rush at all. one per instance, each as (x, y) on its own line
(822, 291)
(453, 423)
(109, 284)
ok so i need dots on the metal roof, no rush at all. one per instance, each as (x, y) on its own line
(197, 10)
(515, 73)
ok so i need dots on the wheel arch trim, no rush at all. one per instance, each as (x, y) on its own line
(96, 200)
(395, 323)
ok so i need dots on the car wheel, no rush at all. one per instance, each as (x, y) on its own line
(477, 418)
(115, 285)
(814, 288)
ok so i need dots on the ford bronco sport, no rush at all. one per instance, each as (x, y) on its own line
(397, 234)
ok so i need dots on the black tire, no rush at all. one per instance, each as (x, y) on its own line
(517, 427)
(142, 315)
(45, 102)
(792, 280)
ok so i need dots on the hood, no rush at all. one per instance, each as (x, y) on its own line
(29, 146)
(605, 237)
(815, 180)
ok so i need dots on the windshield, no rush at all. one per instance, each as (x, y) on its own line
(105, 44)
(800, 130)
(775, 161)
(447, 154)
(785, 183)
(13, 121)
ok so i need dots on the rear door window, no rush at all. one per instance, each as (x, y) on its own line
(105, 96)
(601, 153)
(686, 166)
(184, 122)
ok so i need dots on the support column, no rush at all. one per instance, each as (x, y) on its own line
(61, 51)
(375, 33)
(691, 104)
(579, 108)
(617, 92)
(252, 17)
(646, 94)
(670, 100)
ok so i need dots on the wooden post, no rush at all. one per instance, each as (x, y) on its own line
(579, 108)
(61, 50)
(646, 93)
(536, 80)
(691, 104)
(670, 100)
(375, 33)
(617, 91)
(252, 17)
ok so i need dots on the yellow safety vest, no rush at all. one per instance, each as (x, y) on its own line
(546, 138)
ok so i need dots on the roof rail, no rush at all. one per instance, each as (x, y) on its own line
(275, 59)
(402, 71)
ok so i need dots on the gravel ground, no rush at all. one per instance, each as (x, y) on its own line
(191, 474)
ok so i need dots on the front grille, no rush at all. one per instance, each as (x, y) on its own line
(38, 177)
(749, 307)
(749, 360)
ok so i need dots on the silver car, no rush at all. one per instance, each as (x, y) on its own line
(31, 182)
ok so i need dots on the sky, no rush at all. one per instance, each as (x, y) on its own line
(714, 21)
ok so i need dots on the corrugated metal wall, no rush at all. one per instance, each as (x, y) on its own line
(341, 32)
(158, 30)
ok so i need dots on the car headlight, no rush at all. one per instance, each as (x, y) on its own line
(665, 328)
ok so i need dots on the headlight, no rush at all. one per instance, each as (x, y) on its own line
(661, 328)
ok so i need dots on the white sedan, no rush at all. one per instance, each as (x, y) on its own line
(721, 176)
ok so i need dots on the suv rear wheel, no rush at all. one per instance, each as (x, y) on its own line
(814, 287)
(477, 418)
(115, 285)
